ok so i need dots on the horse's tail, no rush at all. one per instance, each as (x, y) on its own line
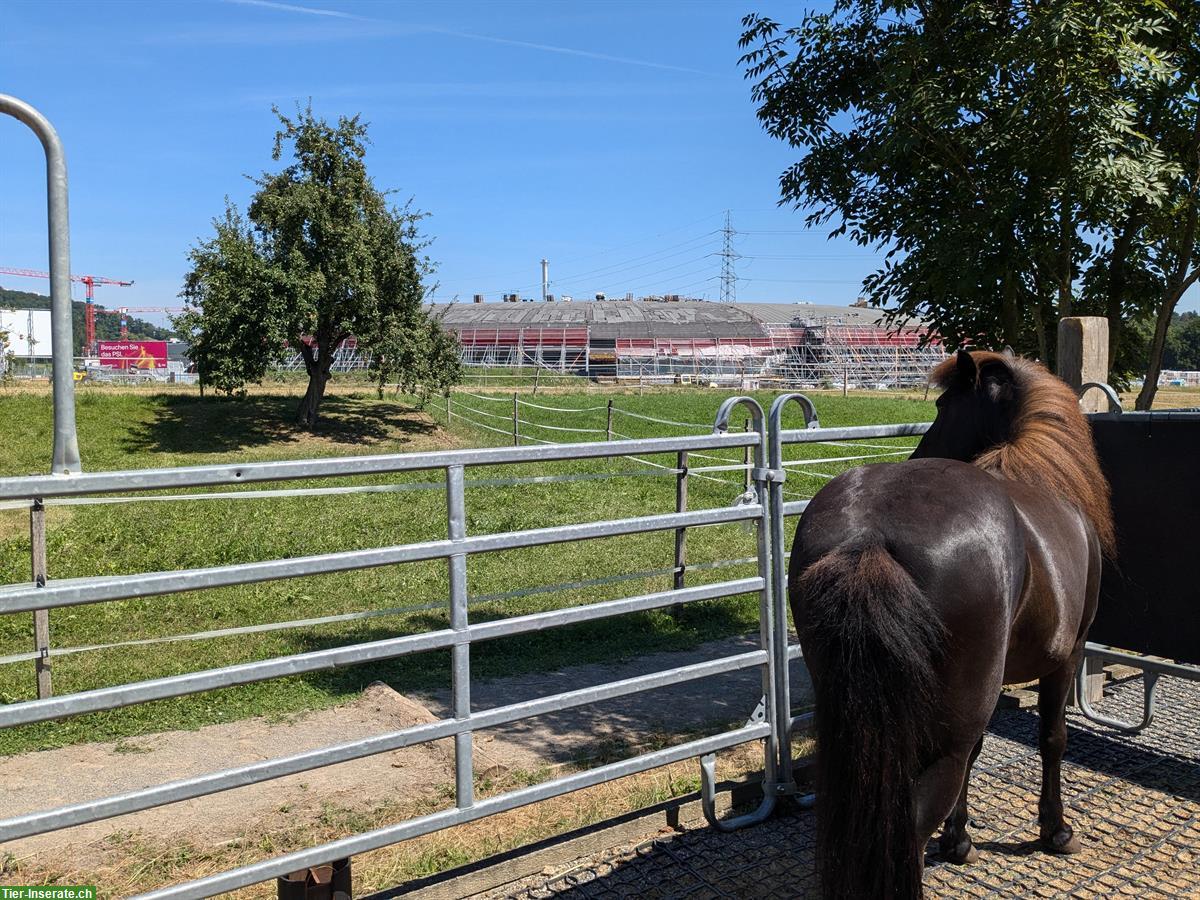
(874, 638)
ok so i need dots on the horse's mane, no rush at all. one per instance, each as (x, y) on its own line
(1050, 444)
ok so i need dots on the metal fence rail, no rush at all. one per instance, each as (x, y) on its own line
(455, 549)
(764, 507)
(761, 504)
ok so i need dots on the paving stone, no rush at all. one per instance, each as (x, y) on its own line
(1133, 800)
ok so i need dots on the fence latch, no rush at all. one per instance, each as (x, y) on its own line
(778, 476)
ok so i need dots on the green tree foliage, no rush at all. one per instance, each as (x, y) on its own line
(320, 256)
(420, 357)
(1013, 159)
(1183, 343)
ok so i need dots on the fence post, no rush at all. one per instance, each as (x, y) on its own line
(746, 460)
(536, 374)
(516, 419)
(448, 409)
(41, 617)
(608, 425)
(1082, 357)
(65, 450)
(681, 503)
(456, 520)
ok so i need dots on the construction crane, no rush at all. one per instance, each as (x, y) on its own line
(89, 283)
(123, 312)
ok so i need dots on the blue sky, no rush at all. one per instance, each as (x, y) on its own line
(607, 137)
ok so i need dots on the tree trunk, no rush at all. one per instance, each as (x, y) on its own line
(1010, 315)
(317, 365)
(1180, 282)
(1145, 397)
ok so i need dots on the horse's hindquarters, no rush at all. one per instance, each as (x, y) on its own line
(902, 582)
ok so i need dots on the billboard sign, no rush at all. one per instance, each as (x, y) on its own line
(133, 354)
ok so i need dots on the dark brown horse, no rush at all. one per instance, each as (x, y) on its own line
(919, 589)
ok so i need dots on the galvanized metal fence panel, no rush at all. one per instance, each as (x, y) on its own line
(762, 504)
(456, 549)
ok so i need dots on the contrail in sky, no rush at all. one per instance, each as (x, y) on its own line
(470, 36)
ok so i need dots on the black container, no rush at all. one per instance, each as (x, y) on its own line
(1150, 595)
(328, 882)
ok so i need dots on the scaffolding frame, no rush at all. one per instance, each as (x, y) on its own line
(813, 354)
(562, 350)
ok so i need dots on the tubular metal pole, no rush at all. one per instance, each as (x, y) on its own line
(41, 617)
(775, 782)
(65, 458)
(681, 505)
(456, 518)
(778, 557)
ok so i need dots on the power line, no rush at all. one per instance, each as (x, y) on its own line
(651, 258)
(645, 276)
(808, 232)
(475, 278)
(691, 245)
(806, 256)
(808, 280)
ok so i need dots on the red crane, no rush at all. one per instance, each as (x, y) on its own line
(123, 312)
(89, 283)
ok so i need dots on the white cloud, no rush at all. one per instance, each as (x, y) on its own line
(292, 7)
(466, 35)
(569, 51)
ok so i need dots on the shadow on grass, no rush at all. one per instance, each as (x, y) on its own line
(606, 641)
(219, 425)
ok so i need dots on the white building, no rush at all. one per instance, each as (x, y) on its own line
(28, 333)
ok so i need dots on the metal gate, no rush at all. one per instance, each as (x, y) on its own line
(762, 506)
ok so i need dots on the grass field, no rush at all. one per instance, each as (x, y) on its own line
(141, 428)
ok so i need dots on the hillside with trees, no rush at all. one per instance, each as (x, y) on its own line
(108, 325)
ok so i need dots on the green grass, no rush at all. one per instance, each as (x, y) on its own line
(134, 429)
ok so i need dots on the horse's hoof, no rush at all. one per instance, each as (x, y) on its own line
(960, 855)
(968, 858)
(1062, 842)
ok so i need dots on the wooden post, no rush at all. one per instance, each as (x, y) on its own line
(608, 424)
(536, 374)
(447, 409)
(1083, 357)
(516, 419)
(681, 502)
(41, 617)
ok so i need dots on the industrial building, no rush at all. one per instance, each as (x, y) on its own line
(694, 341)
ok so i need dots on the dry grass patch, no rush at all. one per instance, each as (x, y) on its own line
(140, 863)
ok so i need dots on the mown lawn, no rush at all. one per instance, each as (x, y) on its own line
(135, 428)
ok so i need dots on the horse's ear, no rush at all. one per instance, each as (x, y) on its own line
(964, 366)
(998, 381)
(1008, 351)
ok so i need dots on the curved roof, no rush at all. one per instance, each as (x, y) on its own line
(611, 319)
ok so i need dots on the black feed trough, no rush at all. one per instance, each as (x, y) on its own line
(1150, 595)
